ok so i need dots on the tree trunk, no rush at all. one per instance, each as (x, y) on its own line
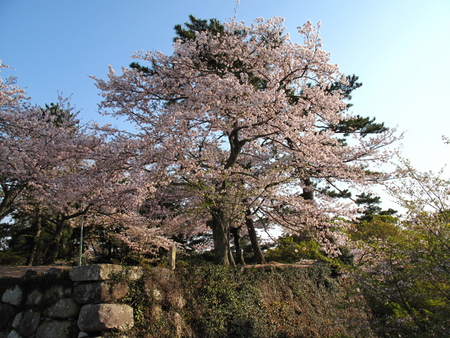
(308, 190)
(259, 256)
(230, 255)
(55, 244)
(237, 246)
(37, 225)
(221, 238)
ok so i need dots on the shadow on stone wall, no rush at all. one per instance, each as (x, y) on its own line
(81, 302)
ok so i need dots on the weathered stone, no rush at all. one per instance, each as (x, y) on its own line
(66, 329)
(17, 320)
(100, 317)
(176, 301)
(29, 323)
(101, 272)
(152, 291)
(156, 311)
(7, 313)
(13, 296)
(100, 292)
(56, 271)
(64, 308)
(307, 262)
(14, 334)
(156, 294)
(57, 292)
(89, 335)
(178, 323)
(96, 272)
(134, 273)
(30, 273)
(34, 298)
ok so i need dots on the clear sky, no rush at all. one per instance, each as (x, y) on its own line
(400, 49)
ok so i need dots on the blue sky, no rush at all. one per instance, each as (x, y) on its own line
(400, 50)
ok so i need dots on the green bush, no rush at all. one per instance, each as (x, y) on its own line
(10, 258)
(261, 301)
(291, 249)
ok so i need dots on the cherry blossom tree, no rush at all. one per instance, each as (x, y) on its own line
(246, 123)
(405, 269)
(10, 96)
(54, 169)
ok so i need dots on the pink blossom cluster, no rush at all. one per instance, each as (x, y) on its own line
(243, 121)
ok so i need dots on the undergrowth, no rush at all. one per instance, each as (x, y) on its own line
(216, 301)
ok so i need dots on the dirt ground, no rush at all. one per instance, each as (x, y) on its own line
(19, 271)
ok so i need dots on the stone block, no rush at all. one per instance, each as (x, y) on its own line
(14, 334)
(101, 317)
(64, 308)
(100, 292)
(50, 329)
(101, 272)
(17, 320)
(57, 292)
(134, 273)
(177, 301)
(26, 323)
(90, 335)
(30, 273)
(34, 298)
(178, 323)
(7, 312)
(96, 272)
(156, 294)
(156, 311)
(152, 291)
(13, 296)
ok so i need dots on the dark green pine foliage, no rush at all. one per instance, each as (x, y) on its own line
(52, 113)
(357, 124)
(145, 70)
(197, 25)
(371, 207)
(188, 34)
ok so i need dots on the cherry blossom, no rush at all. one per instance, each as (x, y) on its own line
(53, 166)
(244, 121)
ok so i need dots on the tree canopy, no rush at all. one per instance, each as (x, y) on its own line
(53, 170)
(246, 124)
(404, 263)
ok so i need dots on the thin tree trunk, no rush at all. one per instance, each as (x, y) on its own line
(230, 255)
(55, 244)
(37, 225)
(308, 190)
(237, 246)
(258, 254)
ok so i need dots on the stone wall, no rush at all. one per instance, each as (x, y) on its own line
(264, 301)
(83, 302)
